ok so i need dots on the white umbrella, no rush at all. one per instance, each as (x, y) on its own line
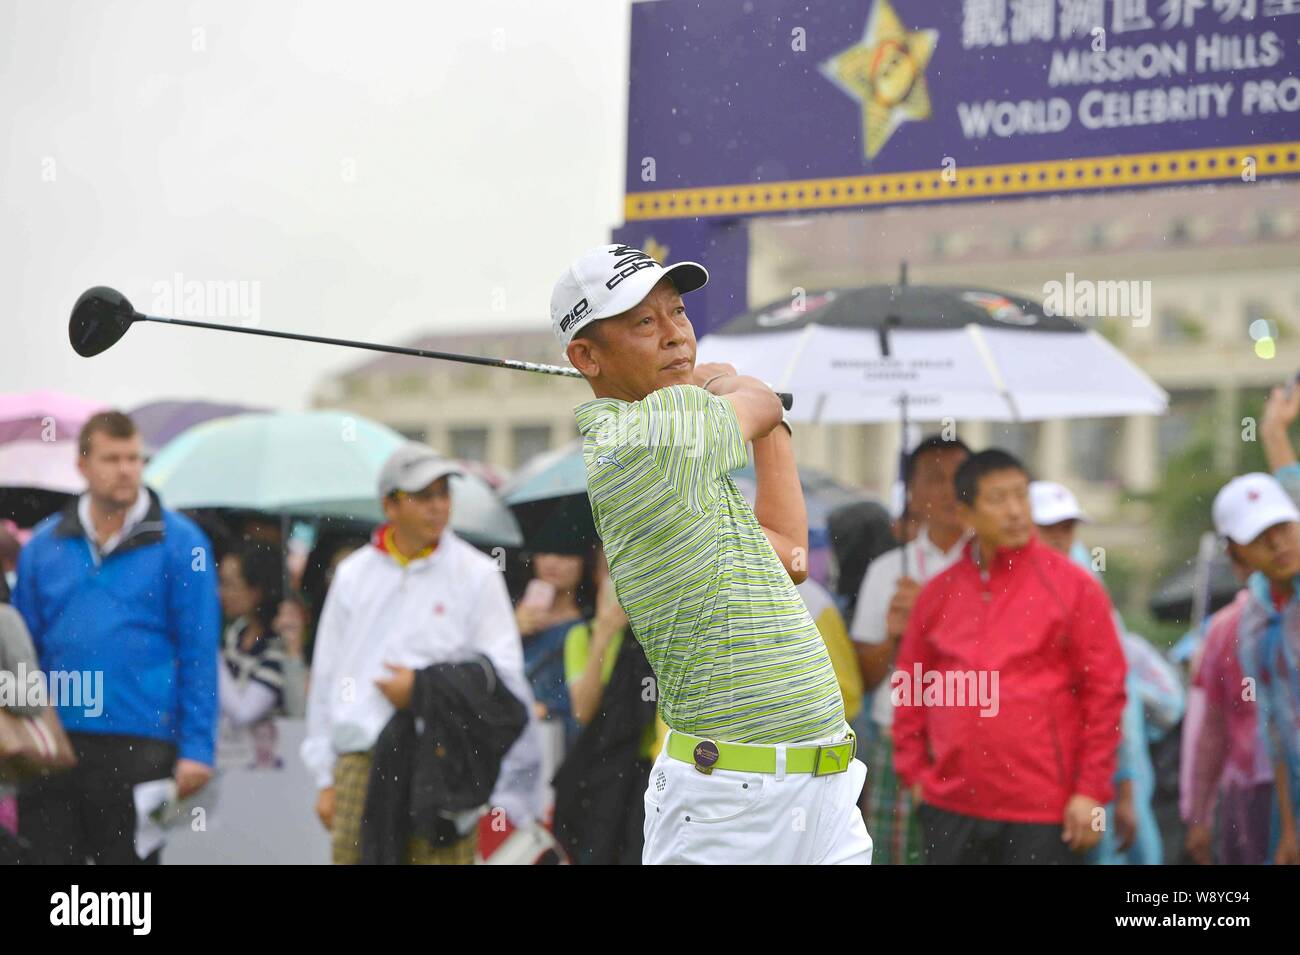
(883, 352)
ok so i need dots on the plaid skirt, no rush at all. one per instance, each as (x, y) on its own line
(351, 776)
(891, 821)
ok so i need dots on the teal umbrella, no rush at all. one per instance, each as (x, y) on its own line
(551, 474)
(549, 498)
(310, 464)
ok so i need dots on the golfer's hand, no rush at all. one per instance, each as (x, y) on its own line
(397, 688)
(190, 777)
(900, 607)
(711, 370)
(325, 807)
(1077, 830)
(1198, 844)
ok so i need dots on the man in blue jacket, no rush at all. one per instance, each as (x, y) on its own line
(120, 597)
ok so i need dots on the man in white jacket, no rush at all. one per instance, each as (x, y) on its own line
(416, 596)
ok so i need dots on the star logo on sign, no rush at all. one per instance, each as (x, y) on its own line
(656, 250)
(885, 72)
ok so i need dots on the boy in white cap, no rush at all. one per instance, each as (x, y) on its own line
(758, 765)
(1057, 514)
(1257, 514)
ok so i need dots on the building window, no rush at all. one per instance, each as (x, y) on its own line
(1176, 429)
(356, 387)
(1261, 321)
(1178, 326)
(469, 444)
(408, 384)
(1019, 438)
(1093, 443)
(528, 441)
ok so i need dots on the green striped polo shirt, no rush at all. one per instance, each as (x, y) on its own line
(734, 651)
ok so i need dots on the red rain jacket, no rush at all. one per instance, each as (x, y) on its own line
(1043, 626)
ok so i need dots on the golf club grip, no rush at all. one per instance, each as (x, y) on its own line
(787, 399)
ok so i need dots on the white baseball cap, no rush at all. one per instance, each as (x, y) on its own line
(1052, 503)
(1248, 505)
(413, 467)
(607, 281)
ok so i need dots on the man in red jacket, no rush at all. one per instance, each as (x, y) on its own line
(1009, 689)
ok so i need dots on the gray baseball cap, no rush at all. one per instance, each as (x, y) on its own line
(413, 467)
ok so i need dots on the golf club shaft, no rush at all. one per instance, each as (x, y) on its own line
(517, 365)
(373, 346)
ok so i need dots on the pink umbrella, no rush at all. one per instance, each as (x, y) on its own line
(45, 416)
(36, 478)
(45, 465)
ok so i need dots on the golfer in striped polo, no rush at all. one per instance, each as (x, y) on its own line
(758, 765)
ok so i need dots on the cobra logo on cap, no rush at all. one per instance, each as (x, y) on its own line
(628, 261)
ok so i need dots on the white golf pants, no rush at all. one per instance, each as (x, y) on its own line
(736, 818)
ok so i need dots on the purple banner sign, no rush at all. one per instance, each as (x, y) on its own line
(781, 105)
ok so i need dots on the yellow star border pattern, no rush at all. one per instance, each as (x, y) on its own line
(1179, 167)
(885, 72)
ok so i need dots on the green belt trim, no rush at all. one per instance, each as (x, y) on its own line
(824, 760)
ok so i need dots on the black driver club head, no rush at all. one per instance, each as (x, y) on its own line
(101, 316)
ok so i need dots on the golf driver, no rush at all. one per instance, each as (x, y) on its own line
(103, 315)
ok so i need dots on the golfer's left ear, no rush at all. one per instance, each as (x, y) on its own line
(581, 357)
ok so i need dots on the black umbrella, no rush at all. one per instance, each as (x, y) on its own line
(28, 506)
(1173, 598)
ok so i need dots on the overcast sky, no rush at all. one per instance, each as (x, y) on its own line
(367, 170)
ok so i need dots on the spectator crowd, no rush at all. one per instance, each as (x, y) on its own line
(1005, 711)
